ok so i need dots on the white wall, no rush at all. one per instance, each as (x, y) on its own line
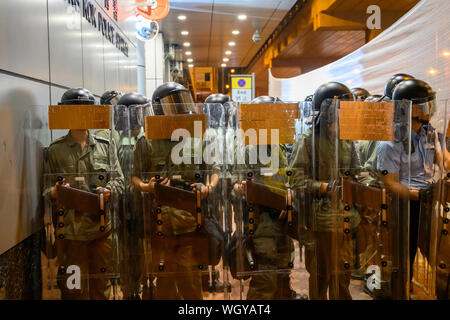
(46, 47)
(154, 64)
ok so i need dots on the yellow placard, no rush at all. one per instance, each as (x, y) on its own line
(162, 127)
(241, 82)
(79, 117)
(359, 120)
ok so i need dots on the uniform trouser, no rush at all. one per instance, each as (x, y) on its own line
(181, 278)
(324, 262)
(271, 281)
(442, 285)
(94, 260)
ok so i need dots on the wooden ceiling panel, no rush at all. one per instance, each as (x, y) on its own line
(210, 24)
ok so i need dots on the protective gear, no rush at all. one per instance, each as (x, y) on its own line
(78, 96)
(331, 90)
(374, 98)
(218, 98)
(420, 93)
(171, 93)
(417, 91)
(266, 99)
(132, 98)
(110, 97)
(393, 82)
(360, 94)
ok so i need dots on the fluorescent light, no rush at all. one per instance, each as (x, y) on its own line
(181, 17)
(226, 59)
(184, 33)
(242, 17)
(228, 52)
(187, 44)
(190, 60)
(188, 53)
(223, 65)
(191, 66)
(236, 32)
(232, 43)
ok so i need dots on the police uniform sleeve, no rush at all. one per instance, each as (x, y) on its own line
(388, 157)
(302, 166)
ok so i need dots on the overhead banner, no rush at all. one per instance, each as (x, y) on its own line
(243, 88)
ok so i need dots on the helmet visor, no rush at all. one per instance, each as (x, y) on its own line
(424, 110)
(178, 97)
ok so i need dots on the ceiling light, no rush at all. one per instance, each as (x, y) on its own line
(446, 54)
(184, 33)
(190, 60)
(181, 17)
(236, 32)
(228, 52)
(223, 65)
(233, 71)
(242, 17)
(226, 59)
(232, 43)
(188, 53)
(227, 86)
(187, 44)
(191, 66)
(432, 71)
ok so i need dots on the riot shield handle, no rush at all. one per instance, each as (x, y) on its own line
(101, 200)
(289, 206)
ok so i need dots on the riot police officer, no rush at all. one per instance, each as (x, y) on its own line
(83, 160)
(412, 180)
(175, 250)
(326, 253)
(272, 249)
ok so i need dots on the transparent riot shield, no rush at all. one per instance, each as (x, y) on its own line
(83, 183)
(430, 275)
(129, 127)
(363, 216)
(264, 256)
(177, 172)
(442, 209)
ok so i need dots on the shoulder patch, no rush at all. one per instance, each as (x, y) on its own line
(59, 140)
(101, 139)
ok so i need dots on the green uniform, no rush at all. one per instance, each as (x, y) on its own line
(181, 278)
(84, 244)
(272, 249)
(328, 249)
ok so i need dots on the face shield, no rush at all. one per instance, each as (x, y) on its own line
(423, 112)
(126, 118)
(178, 102)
